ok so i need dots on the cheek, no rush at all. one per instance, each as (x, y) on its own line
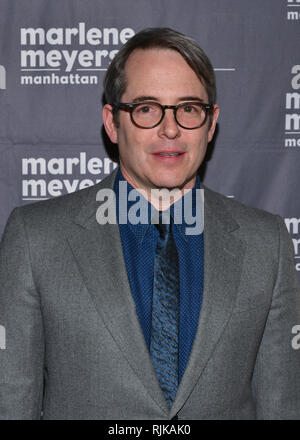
(127, 134)
(199, 143)
(132, 148)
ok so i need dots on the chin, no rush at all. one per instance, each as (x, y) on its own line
(169, 183)
(175, 181)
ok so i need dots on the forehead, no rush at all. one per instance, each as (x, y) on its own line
(161, 73)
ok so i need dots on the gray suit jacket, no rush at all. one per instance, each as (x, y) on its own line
(74, 347)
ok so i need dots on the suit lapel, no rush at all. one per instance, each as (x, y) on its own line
(107, 282)
(223, 259)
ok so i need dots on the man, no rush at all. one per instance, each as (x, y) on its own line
(118, 320)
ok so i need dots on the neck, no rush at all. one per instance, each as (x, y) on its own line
(160, 197)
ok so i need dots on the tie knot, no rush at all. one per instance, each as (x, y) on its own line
(163, 227)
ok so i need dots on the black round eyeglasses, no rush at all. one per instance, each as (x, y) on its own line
(149, 114)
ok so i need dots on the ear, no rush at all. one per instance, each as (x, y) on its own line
(213, 122)
(109, 123)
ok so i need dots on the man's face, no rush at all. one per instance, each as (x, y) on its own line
(163, 75)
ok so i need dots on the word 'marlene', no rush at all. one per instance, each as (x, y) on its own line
(138, 211)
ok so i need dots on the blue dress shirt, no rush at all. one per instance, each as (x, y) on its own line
(139, 244)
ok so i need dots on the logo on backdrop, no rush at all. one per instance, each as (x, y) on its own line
(2, 78)
(293, 10)
(72, 56)
(293, 226)
(38, 185)
(292, 106)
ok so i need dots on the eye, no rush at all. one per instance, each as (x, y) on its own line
(146, 108)
(190, 108)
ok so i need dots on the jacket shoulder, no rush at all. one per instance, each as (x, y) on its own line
(66, 207)
(247, 217)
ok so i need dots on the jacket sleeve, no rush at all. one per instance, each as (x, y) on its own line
(21, 329)
(276, 378)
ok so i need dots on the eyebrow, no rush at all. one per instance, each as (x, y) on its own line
(144, 98)
(190, 98)
(153, 98)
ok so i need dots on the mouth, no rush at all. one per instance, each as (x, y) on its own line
(169, 157)
(169, 154)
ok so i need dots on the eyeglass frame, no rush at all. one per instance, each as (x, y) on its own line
(130, 106)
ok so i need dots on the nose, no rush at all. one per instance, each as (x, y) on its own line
(168, 126)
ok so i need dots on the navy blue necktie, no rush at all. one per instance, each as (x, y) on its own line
(165, 313)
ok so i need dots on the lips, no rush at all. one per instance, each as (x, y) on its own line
(168, 153)
(168, 156)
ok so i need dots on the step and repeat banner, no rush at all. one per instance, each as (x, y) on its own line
(53, 57)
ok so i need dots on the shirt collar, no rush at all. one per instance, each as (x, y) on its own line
(141, 229)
